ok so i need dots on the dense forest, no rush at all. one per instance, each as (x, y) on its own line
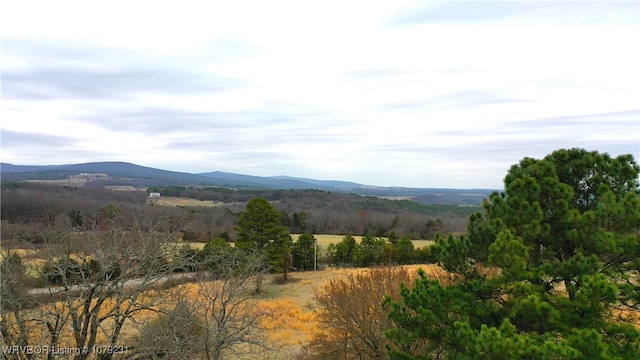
(29, 209)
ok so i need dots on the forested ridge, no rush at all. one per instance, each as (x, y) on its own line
(45, 206)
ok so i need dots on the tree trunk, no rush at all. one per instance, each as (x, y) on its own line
(259, 284)
(286, 263)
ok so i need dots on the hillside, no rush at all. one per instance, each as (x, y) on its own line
(127, 174)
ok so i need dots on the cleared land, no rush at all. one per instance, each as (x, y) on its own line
(292, 304)
(74, 180)
(397, 197)
(177, 201)
(324, 241)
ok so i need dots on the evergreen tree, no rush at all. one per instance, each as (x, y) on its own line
(564, 243)
(405, 253)
(369, 251)
(259, 227)
(300, 221)
(302, 252)
(342, 252)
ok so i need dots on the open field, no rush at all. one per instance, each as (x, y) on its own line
(73, 180)
(294, 323)
(176, 201)
(397, 197)
(298, 325)
(324, 241)
(122, 188)
(300, 290)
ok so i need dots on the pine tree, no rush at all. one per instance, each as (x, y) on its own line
(259, 227)
(550, 269)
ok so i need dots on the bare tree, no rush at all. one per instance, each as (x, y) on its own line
(99, 281)
(15, 329)
(352, 323)
(176, 333)
(220, 313)
(233, 322)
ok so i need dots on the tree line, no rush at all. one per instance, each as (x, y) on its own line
(29, 210)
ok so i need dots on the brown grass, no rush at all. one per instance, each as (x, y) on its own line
(293, 303)
(73, 180)
(295, 324)
(325, 240)
(177, 201)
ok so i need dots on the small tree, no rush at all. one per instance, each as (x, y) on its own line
(175, 334)
(259, 228)
(369, 251)
(405, 251)
(15, 321)
(352, 324)
(219, 316)
(303, 252)
(300, 221)
(342, 252)
(210, 253)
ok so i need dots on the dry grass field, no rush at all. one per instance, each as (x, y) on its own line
(176, 201)
(293, 304)
(297, 325)
(325, 240)
(398, 197)
(122, 188)
(73, 180)
(292, 324)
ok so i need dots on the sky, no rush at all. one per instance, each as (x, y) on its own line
(442, 94)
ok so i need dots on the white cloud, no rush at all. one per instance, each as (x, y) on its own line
(410, 93)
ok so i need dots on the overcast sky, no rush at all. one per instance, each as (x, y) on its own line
(390, 93)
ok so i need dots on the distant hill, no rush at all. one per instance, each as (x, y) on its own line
(123, 173)
(256, 181)
(283, 182)
(327, 183)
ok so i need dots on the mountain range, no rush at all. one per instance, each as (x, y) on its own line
(123, 173)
